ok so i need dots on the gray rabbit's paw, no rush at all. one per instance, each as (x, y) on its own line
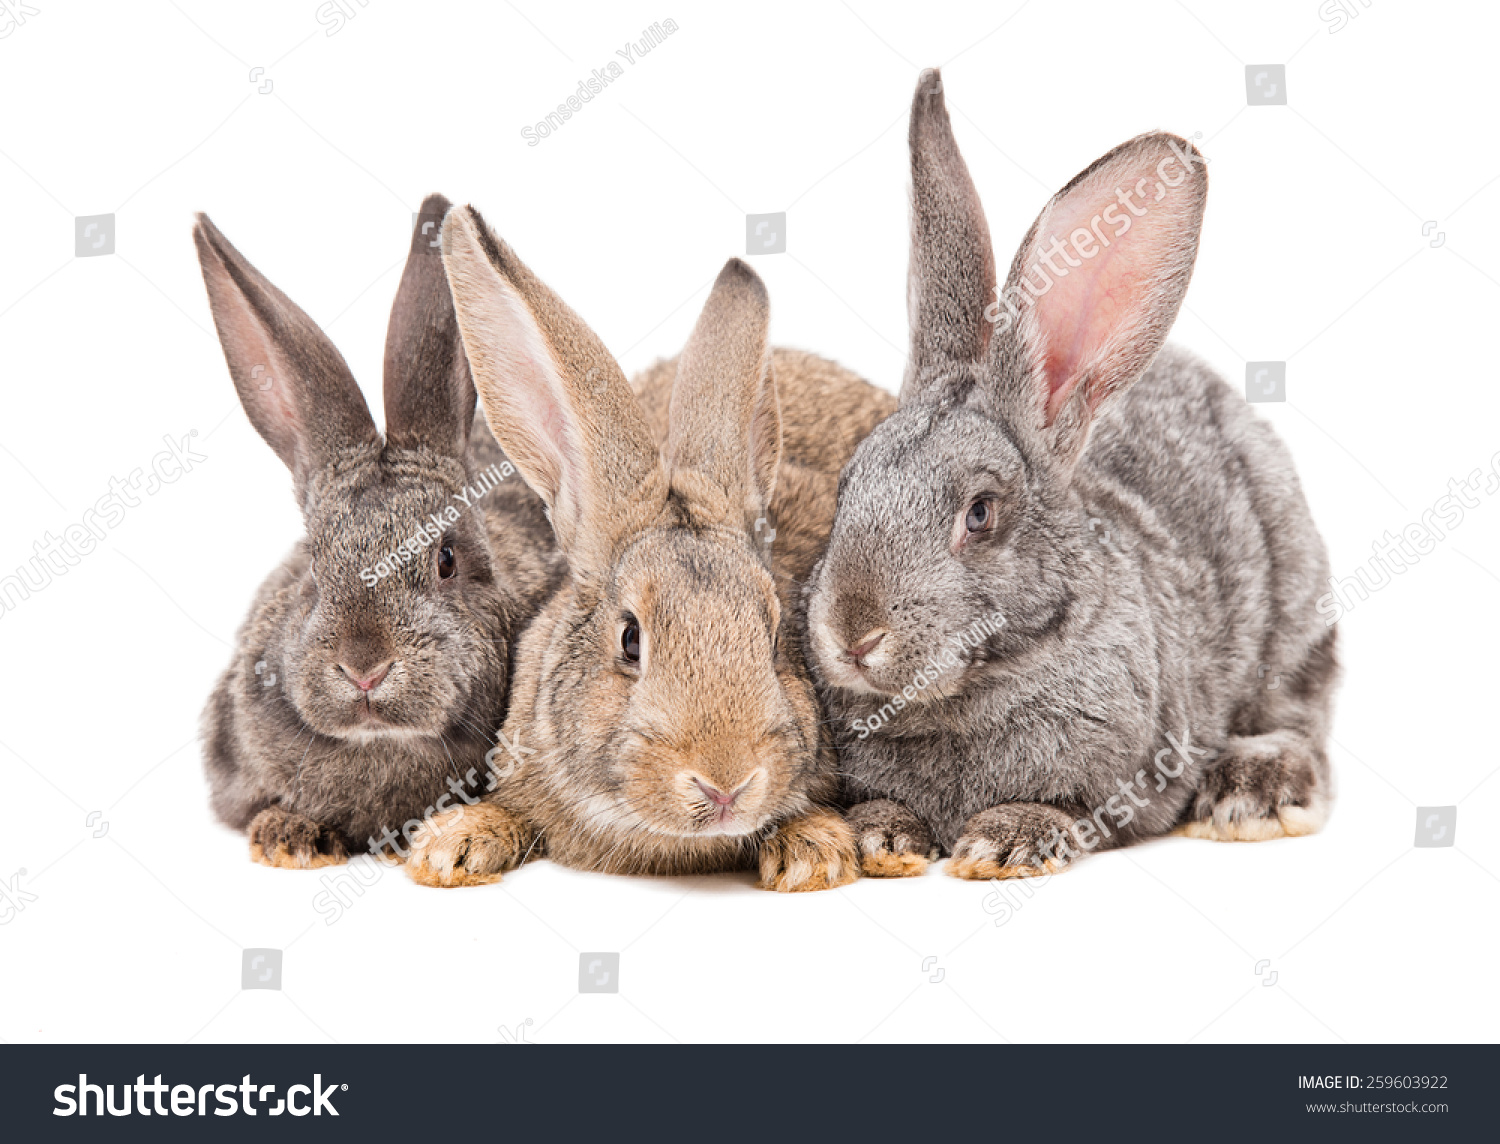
(1015, 840)
(812, 852)
(1260, 787)
(291, 841)
(468, 846)
(893, 842)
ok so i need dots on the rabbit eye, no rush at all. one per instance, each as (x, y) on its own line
(630, 640)
(980, 516)
(446, 564)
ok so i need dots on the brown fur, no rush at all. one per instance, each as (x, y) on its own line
(813, 852)
(986, 869)
(470, 846)
(672, 530)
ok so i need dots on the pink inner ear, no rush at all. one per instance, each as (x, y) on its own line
(1077, 317)
(1092, 318)
(533, 391)
(268, 391)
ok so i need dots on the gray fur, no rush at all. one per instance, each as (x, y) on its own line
(292, 752)
(1150, 551)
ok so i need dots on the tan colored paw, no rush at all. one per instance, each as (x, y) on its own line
(984, 869)
(890, 863)
(288, 841)
(893, 842)
(1013, 840)
(814, 852)
(883, 855)
(1283, 822)
(467, 846)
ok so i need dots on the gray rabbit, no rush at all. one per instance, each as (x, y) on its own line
(371, 675)
(1068, 600)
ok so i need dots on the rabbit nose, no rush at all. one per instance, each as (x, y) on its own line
(865, 646)
(718, 797)
(366, 682)
(715, 795)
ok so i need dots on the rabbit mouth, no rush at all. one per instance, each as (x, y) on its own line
(858, 665)
(850, 673)
(368, 724)
(850, 676)
(366, 721)
(710, 822)
(710, 827)
(726, 824)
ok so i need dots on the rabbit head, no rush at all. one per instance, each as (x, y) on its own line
(673, 724)
(954, 549)
(397, 608)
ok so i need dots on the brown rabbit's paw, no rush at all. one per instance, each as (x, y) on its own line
(892, 841)
(1260, 787)
(291, 841)
(814, 852)
(467, 846)
(1017, 840)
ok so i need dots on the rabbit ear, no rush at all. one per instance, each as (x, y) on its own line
(1097, 283)
(725, 418)
(429, 392)
(554, 397)
(951, 277)
(292, 381)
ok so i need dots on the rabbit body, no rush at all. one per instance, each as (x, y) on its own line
(1187, 569)
(663, 720)
(1069, 596)
(371, 674)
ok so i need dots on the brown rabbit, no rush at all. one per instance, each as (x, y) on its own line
(372, 670)
(663, 720)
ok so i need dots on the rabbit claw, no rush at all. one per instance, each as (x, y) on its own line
(289, 841)
(1014, 840)
(893, 842)
(467, 846)
(813, 852)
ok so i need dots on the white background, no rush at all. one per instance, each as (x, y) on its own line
(1313, 253)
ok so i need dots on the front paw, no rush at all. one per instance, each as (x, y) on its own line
(290, 841)
(813, 852)
(468, 846)
(1015, 840)
(893, 842)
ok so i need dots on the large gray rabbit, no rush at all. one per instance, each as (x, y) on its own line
(372, 672)
(1068, 601)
